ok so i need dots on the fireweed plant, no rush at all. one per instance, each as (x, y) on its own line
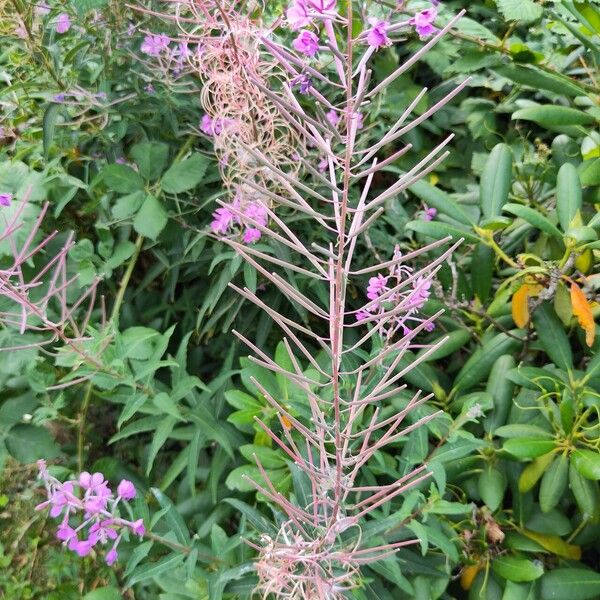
(319, 547)
(290, 140)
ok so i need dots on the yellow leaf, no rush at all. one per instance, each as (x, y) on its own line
(583, 311)
(468, 576)
(520, 307)
(554, 544)
(286, 422)
(433, 179)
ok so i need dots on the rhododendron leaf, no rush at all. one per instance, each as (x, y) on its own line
(528, 447)
(568, 195)
(552, 336)
(496, 181)
(554, 544)
(151, 219)
(570, 583)
(587, 462)
(517, 569)
(583, 311)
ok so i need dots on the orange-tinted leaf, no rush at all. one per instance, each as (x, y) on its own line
(286, 422)
(468, 576)
(583, 311)
(520, 307)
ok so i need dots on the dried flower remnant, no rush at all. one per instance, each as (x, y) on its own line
(89, 511)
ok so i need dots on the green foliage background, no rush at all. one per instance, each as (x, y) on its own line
(513, 508)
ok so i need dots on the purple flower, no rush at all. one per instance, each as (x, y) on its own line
(131, 29)
(111, 557)
(429, 213)
(420, 293)
(306, 43)
(323, 165)
(126, 490)
(251, 235)
(138, 527)
(5, 199)
(323, 7)
(377, 35)
(60, 98)
(303, 81)
(150, 89)
(222, 219)
(153, 45)
(423, 22)
(361, 315)
(63, 23)
(333, 117)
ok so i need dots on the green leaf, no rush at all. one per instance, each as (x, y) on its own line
(554, 117)
(456, 340)
(496, 180)
(533, 471)
(501, 389)
(554, 482)
(520, 10)
(151, 159)
(480, 363)
(174, 519)
(150, 570)
(517, 569)
(491, 486)
(127, 206)
(438, 230)
(185, 175)
(570, 583)
(482, 271)
(151, 219)
(105, 593)
(122, 179)
(568, 195)
(49, 126)
(533, 77)
(528, 447)
(519, 591)
(519, 430)
(162, 433)
(585, 492)
(534, 218)
(552, 336)
(587, 462)
(28, 443)
(440, 200)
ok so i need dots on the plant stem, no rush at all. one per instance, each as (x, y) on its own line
(114, 317)
(81, 424)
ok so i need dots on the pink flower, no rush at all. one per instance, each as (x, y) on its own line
(377, 35)
(257, 211)
(421, 292)
(251, 235)
(376, 286)
(306, 43)
(323, 7)
(361, 315)
(5, 199)
(82, 548)
(154, 45)
(297, 15)
(102, 532)
(222, 219)
(42, 9)
(323, 165)
(423, 22)
(111, 557)
(332, 117)
(89, 482)
(126, 490)
(63, 23)
(65, 533)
